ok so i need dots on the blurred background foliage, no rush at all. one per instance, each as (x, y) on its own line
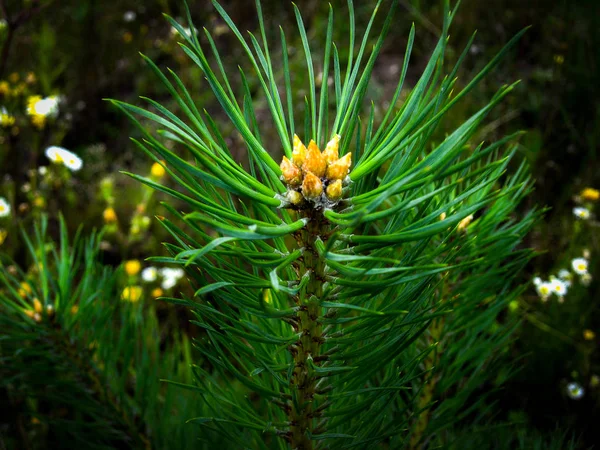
(83, 51)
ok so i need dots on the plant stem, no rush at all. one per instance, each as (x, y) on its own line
(309, 345)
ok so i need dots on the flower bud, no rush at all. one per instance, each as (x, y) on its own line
(312, 187)
(37, 305)
(331, 152)
(334, 190)
(590, 194)
(463, 224)
(299, 151)
(109, 215)
(294, 197)
(290, 172)
(315, 162)
(338, 170)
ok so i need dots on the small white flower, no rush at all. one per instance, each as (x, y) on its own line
(42, 170)
(559, 287)
(4, 207)
(129, 16)
(564, 274)
(170, 277)
(61, 155)
(537, 281)
(581, 213)
(544, 289)
(150, 274)
(575, 391)
(580, 266)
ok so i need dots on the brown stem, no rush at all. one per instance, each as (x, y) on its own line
(308, 349)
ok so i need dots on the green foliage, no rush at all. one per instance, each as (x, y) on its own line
(340, 324)
(85, 365)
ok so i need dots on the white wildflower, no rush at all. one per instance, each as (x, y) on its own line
(559, 287)
(42, 170)
(537, 281)
(4, 207)
(170, 277)
(564, 274)
(150, 274)
(574, 390)
(580, 266)
(581, 213)
(544, 289)
(61, 155)
(129, 16)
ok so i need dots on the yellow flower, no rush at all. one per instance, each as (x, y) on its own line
(157, 170)
(37, 306)
(30, 78)
(588, 335)
(4, 88)
(132, 267)
(25, 290)
(132, 293)
(39, 202)
(109, 215)
(157, 292)
(590, 194)
(6, 120)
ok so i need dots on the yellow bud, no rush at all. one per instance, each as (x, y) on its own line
(109, 215)
(442, 216)
(312, 186)
(299, 152)
(132, 293)
(463, 224)
(290, 172)
(132, 267)
(157, 170)
(74, 309)
(39, 202)
(25, 290)
(334, 190)
(158, 292)
(37, 305)
(590, 194)
(315, 162)
(338, 170)
(331, 152)
(29, 313)
(294, 197)
(588, 335)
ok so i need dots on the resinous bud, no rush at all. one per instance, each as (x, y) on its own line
(312, 187)
(334, 190)
(294, 197)
(315, 161)
(298, 152)
(290, 172)
(338, 170)
(331, 152)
